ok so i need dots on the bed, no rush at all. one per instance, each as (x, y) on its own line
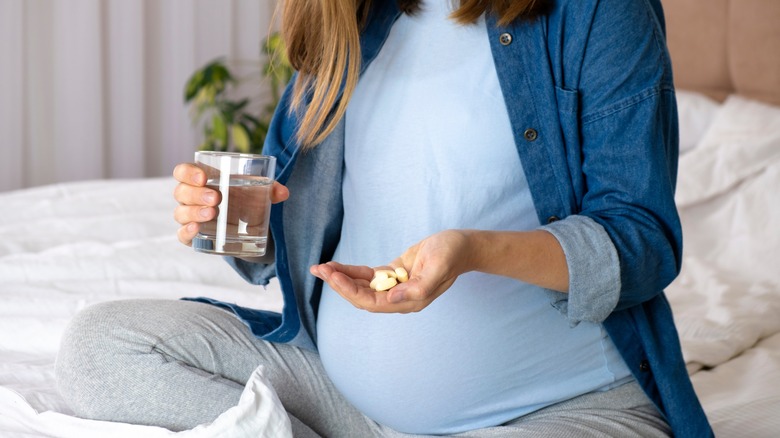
(66, 246)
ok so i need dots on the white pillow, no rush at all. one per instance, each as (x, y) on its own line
(743, 139)
(695, 112)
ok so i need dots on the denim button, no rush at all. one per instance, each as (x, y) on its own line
(505, 39)
(530, 134)
(644, 366)
(552, 219)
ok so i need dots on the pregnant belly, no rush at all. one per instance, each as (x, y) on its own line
(467, 361)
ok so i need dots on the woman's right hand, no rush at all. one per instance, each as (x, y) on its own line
(197, 203)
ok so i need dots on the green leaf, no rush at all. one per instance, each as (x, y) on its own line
(238, 106)
(219, 129)
(236, 124)
(219, 73)
(240, 138)
(250, 119)
(214, 75)
(193, 85)
(206, 95)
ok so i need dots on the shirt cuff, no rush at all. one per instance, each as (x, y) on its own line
(594, 270)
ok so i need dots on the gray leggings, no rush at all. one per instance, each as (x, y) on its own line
(177, 364)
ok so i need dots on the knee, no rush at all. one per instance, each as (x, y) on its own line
(87, 351)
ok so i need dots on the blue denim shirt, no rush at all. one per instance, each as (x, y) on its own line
(590, 97)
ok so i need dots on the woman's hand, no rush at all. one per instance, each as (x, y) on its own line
(433, 265)
(197, 203)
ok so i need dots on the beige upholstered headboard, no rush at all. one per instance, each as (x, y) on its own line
(720, 47)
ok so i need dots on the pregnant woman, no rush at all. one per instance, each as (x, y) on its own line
(517, 157)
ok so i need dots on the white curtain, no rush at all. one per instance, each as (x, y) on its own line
(94, 88)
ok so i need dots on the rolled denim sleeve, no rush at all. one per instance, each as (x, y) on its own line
(625, 165)
(594, 269)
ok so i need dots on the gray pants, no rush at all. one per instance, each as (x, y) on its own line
(178, 364)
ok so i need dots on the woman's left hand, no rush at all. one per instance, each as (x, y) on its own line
(433, 265)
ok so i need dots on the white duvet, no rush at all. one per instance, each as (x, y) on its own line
(64, 247)
(727, 297)
(67, 246)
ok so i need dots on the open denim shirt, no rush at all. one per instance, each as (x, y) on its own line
(590, 97)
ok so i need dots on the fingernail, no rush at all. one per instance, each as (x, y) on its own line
(209, 197)
(197, 179)
(192, 227)
(204, 212)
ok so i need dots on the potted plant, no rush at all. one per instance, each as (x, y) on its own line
(228, 124)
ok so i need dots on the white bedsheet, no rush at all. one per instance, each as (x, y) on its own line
(67, 246)
(727, 297)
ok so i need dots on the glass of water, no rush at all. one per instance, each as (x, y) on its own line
(240, 227)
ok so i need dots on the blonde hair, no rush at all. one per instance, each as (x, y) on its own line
(323, 44)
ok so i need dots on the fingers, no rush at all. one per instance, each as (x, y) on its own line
(184, 214)
(191, 189)
(411, 291)
(187, 233)
(188, 173)
(356, 290)
(279, 193)
(353, 271)
(424, 285)
(186, 194)
(196, 202)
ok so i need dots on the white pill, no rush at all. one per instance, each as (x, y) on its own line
(401, 274)
(384, 273)
(385, 284)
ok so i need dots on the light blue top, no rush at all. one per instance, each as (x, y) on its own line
(491, 348)
(593, 78)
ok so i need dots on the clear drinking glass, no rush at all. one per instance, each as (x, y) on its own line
(240, 227)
